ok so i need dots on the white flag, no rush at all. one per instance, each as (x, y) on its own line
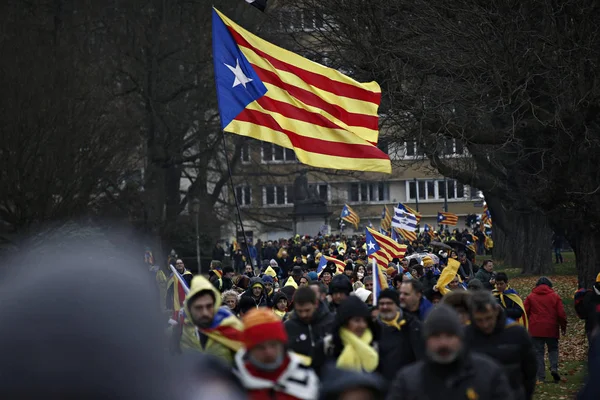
(404, 220)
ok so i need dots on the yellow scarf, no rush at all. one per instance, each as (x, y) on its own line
(358, 355)
(394, 323)
(280, 314)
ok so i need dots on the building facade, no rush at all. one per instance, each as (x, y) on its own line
(265, 191)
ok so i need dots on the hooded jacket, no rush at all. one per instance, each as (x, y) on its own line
(510, 345)
(303, 337)
(264, 300)
(194, 339)
(546, 313)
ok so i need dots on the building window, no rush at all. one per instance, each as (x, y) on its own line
(300, 20)
(369, 192)
(273, 153)
(435, 190)
(410, 148)
(243, 195)
(426, 190)
(278, 195)
(245, 153)
(323, 190)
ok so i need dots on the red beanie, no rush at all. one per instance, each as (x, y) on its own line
(261, 325)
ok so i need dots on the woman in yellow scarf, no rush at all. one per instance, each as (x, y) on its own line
(352, 345)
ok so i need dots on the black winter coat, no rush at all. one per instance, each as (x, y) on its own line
(473, 374)
(303, 337)
(399, 348)
(510, 346)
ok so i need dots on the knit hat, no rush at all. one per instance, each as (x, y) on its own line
(297, 270)
(313, 276)
(267, 279)
(427, 262)
(442, 319)
(545, 281)
(390, 294)
(261, 325)
(391, 270)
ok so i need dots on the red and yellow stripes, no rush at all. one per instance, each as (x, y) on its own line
(386, 220)
(448, 218)
(388, 249)
(352, 216)
(328, 118)
(407, 235)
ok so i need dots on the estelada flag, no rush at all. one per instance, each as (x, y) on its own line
(271, 94)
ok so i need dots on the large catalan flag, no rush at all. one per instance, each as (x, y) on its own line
(410, 211)
(271, 94)
(446, 218)
(349, 215)
(386, 219)
(382, 248)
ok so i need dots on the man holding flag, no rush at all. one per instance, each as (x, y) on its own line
(177, 286)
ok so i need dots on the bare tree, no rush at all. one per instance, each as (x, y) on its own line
(516, 82)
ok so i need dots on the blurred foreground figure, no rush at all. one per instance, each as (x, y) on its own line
(351, 385)
(80, 326)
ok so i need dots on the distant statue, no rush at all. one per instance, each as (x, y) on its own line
(303, 192)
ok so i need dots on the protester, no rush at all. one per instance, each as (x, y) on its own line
(412, 300)
(280, 305)
(230, 299)
(450, 370)
(206, 327)
(353, 342)
(401, 343)
(486, 275)
(258, 293)
(310, 321)
(546, 315)
(509, 299)
(264, 366)
(493, 334)
(225, 283)
(339, 290)
(586, 302)
(460, 301)
(185, 275)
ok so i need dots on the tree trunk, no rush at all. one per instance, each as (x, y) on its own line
(536, 244)
(586, 245)
(525, 244)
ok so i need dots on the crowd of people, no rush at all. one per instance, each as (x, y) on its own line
(292, 330)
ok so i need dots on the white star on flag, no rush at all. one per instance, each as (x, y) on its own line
(240, 77)
(371, 246)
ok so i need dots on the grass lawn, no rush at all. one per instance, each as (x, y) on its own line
(573, 346)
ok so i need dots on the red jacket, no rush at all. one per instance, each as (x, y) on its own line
(545, 312)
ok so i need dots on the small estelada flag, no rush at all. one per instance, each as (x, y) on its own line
(260, 4)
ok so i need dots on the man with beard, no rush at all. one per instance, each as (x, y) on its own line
(205, 326)
(450, 370)
(309, 322)
(401, 343)
(266, 369)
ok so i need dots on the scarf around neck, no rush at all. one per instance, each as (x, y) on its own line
(357, 355)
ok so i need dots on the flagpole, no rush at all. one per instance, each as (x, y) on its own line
(375, 281)
(237, 204)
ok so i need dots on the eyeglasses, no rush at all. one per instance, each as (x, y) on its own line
(179, 263)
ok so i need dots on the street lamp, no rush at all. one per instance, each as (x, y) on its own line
(195, 211)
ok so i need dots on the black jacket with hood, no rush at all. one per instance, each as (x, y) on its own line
(264, 300)
(329, 349)
(303, 337)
